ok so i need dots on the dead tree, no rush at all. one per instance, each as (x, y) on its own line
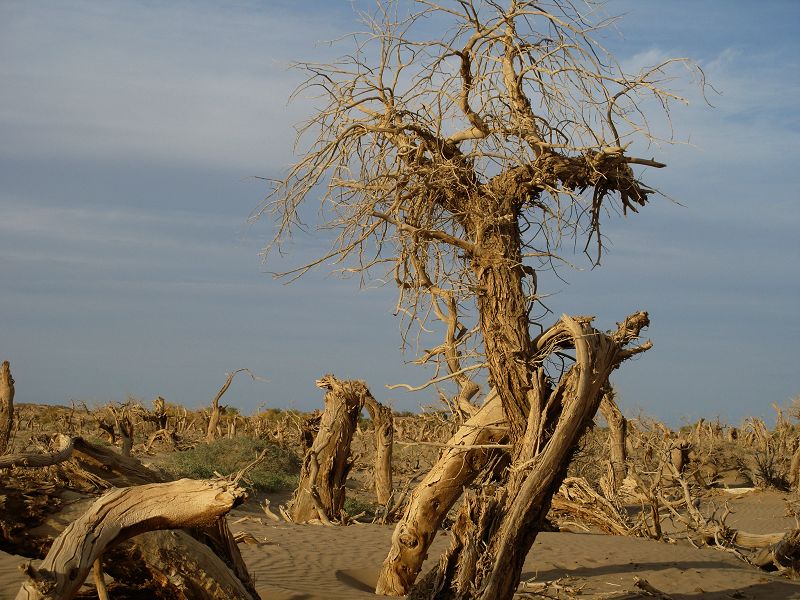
(383, 425)
(321, 491)
(206, 574)
(119, 515)
(216, 409)
(617, 437)
(460, 166)
(464, 456)
(6, 406)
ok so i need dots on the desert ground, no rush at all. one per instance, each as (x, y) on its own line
(738, 480)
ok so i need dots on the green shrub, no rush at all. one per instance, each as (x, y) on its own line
(278, 471)
(355, 506)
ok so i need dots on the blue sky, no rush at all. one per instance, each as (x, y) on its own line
(131, 134)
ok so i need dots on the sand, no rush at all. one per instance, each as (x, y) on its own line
(311, 562)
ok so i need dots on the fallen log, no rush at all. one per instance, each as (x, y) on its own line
(118, 515)
(104, 463)
(783, 555)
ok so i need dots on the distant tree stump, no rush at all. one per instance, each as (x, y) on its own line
(6, 406)
(383, 423)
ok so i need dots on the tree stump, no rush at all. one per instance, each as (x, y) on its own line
(382, 421)
(617, 433)
(321, 492)
(6, 406)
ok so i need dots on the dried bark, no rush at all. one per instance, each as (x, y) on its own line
(119, 515)
(321, 491)
(617, 434)
(508, 520)
(783, 555)
(465, 455)
(185, 567)
(6, 406)
(383, 425)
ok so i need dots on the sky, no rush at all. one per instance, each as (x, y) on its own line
(132, 138)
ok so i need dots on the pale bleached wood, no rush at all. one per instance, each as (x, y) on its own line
(460, 463)
(321, 491)
(119, 515)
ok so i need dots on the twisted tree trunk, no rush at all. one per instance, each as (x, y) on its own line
(6, 406)
(465, 456)
(500, 526)
(117, 516)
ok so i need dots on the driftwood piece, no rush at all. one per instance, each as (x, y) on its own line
(119, 515)
(465, 455)
(382, 422)
(320, 493)
(6, 406)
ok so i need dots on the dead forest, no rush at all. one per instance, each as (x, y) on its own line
(92, 499)
(464, 152)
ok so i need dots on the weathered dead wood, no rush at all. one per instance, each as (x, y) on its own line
(321, 490)
(617, 434)
(119, 515)
(510, 518)
(577, 498)
(309, 428)
(465, 456)
(187, 568)
(103, 463)
(794, 470)
(383, 424)
(216, 410)
(783, 555)
(6, 406)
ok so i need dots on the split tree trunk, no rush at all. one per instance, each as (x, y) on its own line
(6, 406)
(320, 494)
(506, 521)
(119, 515)
(384, 438)
(464, 457)
(617, 434)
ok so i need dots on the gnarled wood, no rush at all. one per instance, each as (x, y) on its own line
(465, 455)
(190, 569)
(6, 406)
(320, 493)
(119, 515)
(510, 519)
